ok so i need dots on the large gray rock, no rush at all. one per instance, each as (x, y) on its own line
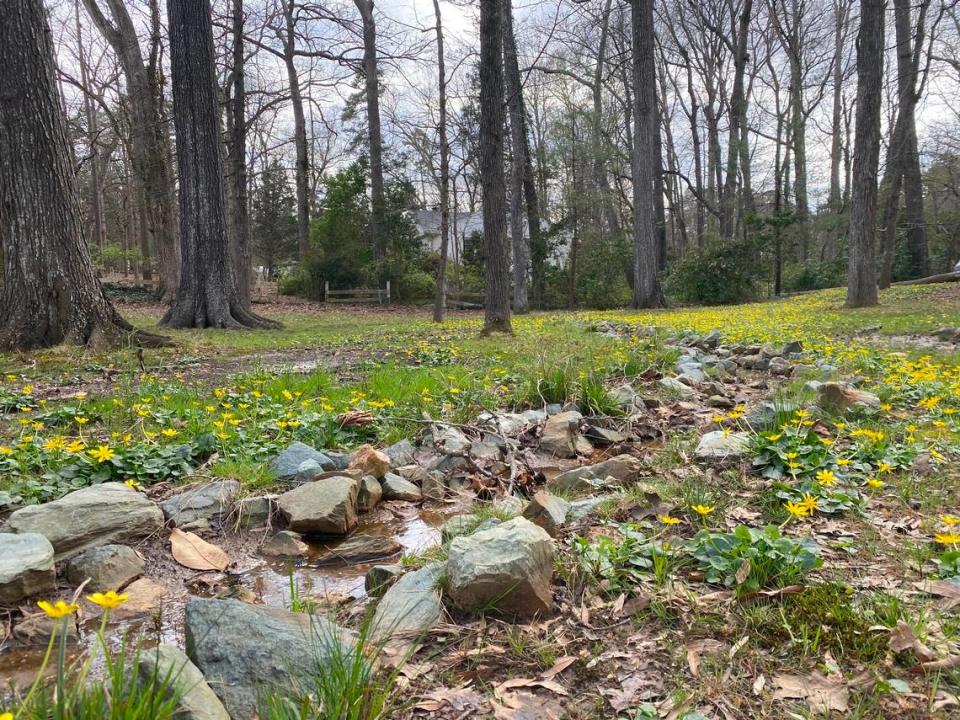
(622, 468)
(109, 567)
(168, 665)
(243, 650)
(508, 568)
(561, 435)
(548, 511)
(110, 513)
(198, 507)
(410, 607)
(718, 445)
(449, 440)
(380, 577)
(327, 506)
(675, 387)
(254, 512)
(396, 488)
(401, 453)
(26, 567)
(287, 464)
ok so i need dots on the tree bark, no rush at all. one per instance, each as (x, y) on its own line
(738, 119)
(646, 283)
(50, 293)
(496, 250)
(841, 11)
(207, 295)
(861, 270)
(440, 301)
(148, 143)
(237, 166)
(375, 139)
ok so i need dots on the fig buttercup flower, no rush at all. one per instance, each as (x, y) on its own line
(58, 610)
(702, 510)
(102, 453)
(797, 510)
(950, 520)
(668, 520)
(826, 478)
(108, 600)
(947, 538)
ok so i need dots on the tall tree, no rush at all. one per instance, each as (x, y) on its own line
(371, 78)
(148, 143)
(207, 295)
(861, 269)
(237, 163)
(646, 282)
(440, 301)
(496, 250)
(49, 293)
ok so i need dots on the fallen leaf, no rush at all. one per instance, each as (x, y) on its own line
(558, 667)
(743, 572)
(525, 706)
(195, 553)
(759, 684)
(461, 700)
(902, 638)
(949, 592)
(821, 693)
(500, 690)
(695, 649)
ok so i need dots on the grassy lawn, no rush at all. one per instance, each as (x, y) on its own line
(881, 486)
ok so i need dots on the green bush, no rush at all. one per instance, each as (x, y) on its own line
(813, 275)
(721, 273)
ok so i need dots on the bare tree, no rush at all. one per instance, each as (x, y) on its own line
(646, 283)
(862, 270)
(440, 302)
(496, 250)
(240, 251)
(207, 295)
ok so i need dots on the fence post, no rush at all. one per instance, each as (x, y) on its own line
(326, 290)
(388, 292)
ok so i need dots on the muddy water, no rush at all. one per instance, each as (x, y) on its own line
(255, 578)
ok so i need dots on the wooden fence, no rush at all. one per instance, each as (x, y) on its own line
(357, 295)
(460, 300)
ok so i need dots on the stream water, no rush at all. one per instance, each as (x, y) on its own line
(255, 578)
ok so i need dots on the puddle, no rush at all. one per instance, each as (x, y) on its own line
(269, 582)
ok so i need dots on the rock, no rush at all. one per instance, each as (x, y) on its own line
(560, 434)
(717, 445)
(360, 548)
(792, 348)
(840, 397)
(243, 650)
(287, 464)
(327, 506)
(380, 577)
(97, 515)
(285, 544)
(449, 440)
(675, 387)
(604, 436)
(764, 416)
(548, 511)
(396, 488)
(340, 460)
(718, 401)
(36, 629)
(307, 471)
(485, 452)
(145, 597)
(109, 567)
(755, 362)
(711, 340)
(401, 453)
(692, 375)
(370, 461)
(369, 494)
(168, 664)
(504, 424)
(582, 509)
(26, 567)
(508, 567)
(622, 468)
(625, 397)
(410, 607)
(434, 486)
(196, 508)
(254, 512)
(780, 366)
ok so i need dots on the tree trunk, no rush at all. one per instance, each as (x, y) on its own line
(440, 302)
(237, 166)
(519, 160)
(302, 172)
(207, 295)
(50, 293)
(646, 283)
(841, 10)
(372, 90)
(861, 270)
(148, 142)
(496, 250)
(738, 119)
(96, 219)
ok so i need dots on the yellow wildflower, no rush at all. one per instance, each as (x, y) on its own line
(947, 538)
(59, 610)
(703, 510)
(798, 510)
(827, 478)
(668, 519)
(875, 483)
(950, 520)
(108, 600)
(102, 454)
